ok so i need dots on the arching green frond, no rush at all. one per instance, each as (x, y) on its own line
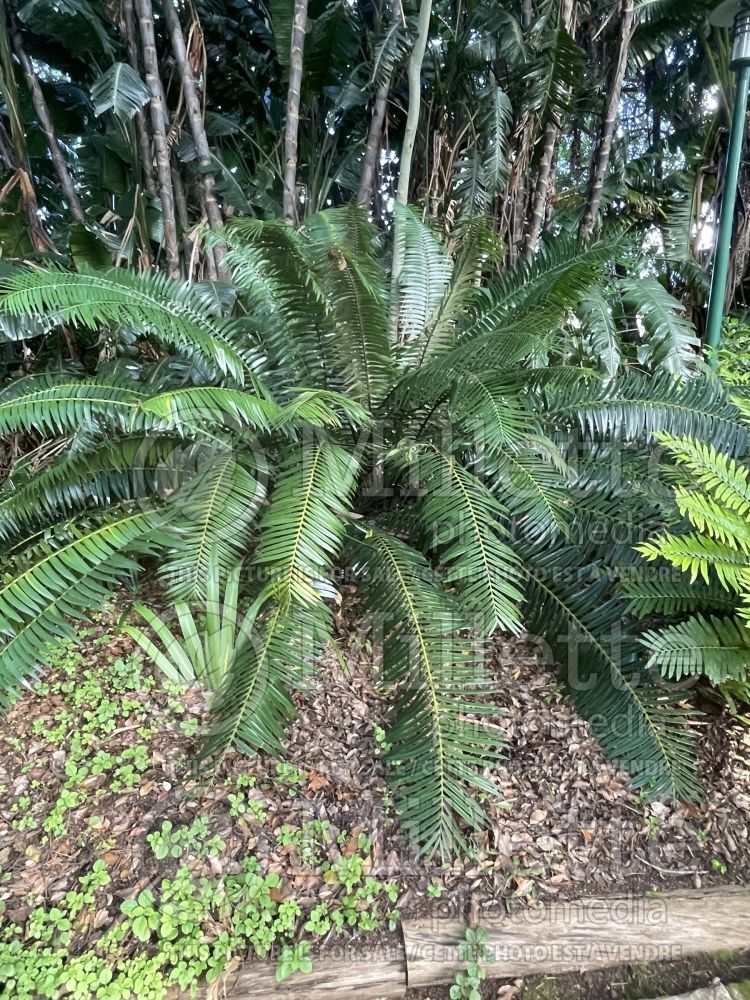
(701, 556)
(465, 523)
(669, 342)
(254, 707)
(322, 408)
(533, 489)
(598, 332)
(424, 277)
(723, 476)
(667, 595)
(563, 269)
(494, 123)
(289, 315)
(178, 315)
(127, 469)
(63, 577)
(494, 410)
(716, 648)
(207, 406)
(303, 526)
(527, 337)
(635, 405)
(638, 724)
(211, 516)
(479, 248)
(355, 291)
(60, 404)
(438, 679)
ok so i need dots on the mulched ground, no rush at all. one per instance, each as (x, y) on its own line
(567, 823)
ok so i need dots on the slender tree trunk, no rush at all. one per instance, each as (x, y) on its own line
(159, 126)
(18, 157)
(375, 132)
(600, 164)
(45, 123)
(291, 133)
(414, 72)
(549, 145)
(129, 31)
(197, 126)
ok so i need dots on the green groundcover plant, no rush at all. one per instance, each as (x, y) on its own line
(471, 456)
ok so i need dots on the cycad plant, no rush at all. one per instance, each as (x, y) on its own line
(709, 588)
(309, 420)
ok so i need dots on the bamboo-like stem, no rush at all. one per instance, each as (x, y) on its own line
(600, 164)
(45, 123)
(549, 145)
(197, 126)
(375, 131)
(159, 127)
(291, 133)
(129, 31)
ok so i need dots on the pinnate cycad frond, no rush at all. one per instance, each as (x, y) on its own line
(708, 646)
(303, 526)
(435, 668)
(61, 578)
(639, 724)
(178, 315)
(465, 524)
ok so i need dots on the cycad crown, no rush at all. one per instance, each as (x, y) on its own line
(308, 429)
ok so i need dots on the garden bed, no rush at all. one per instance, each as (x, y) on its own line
(98, 775)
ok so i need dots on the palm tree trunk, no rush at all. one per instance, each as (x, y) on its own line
(197, 126)
(45, 123)
(600, 164)
(17, 154)
(549, 145)
(159, 125)
(375, 132)
(291, 133)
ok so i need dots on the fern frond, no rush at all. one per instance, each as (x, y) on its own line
(667, 595)
(126, 469)
(669, 342)
(424, 277)
(254, 706)
(723, 476)
(700, 556)
(60, 404)
(211, 516)
(635, 405)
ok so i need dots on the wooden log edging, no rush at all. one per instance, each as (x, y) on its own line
(585, 934)
(346, 973)
(565, 936)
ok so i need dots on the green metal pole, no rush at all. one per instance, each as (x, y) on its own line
(720, 271)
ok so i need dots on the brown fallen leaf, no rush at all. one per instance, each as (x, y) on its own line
(317, 781)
